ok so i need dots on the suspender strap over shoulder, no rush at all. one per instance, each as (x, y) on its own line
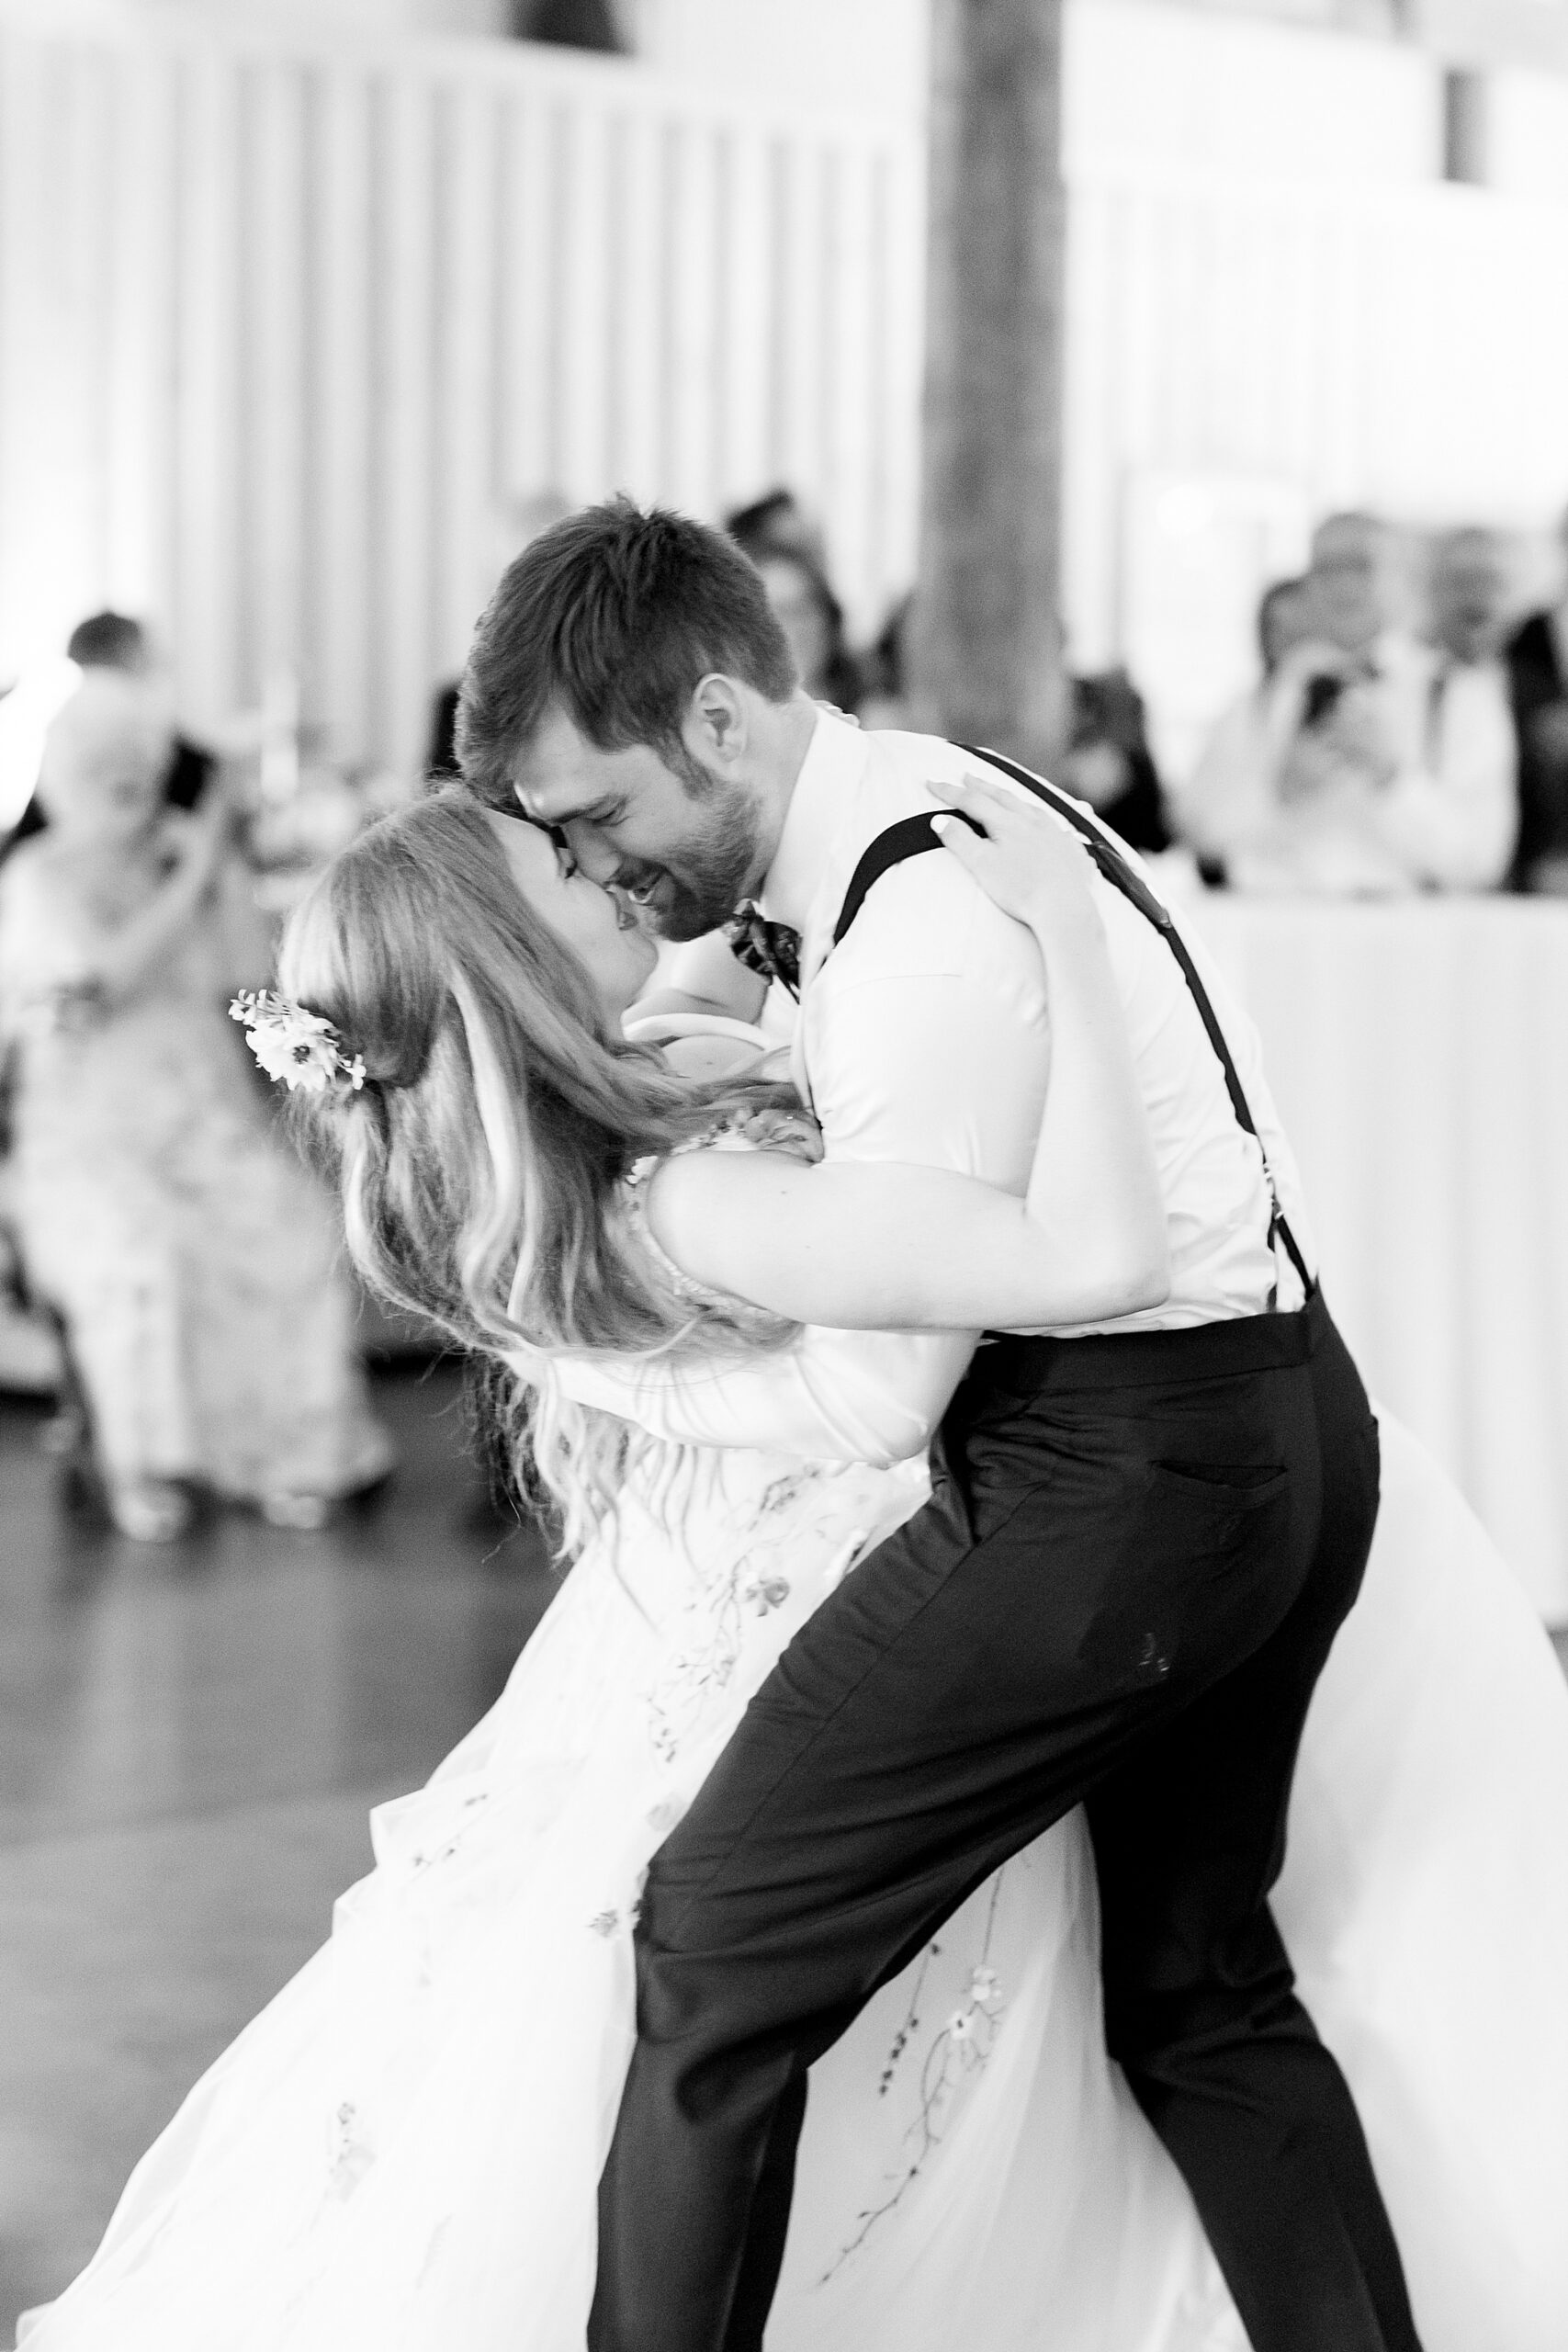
(913, 835)
(907, 838)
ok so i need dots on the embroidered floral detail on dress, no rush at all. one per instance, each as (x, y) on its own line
(443, 1854)
(969, 2025)
(958, 2051)
(746, 1586)
(696, 1675)
(352, 2155)
(786, 1492)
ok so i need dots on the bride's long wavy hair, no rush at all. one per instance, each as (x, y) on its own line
(482, 1162)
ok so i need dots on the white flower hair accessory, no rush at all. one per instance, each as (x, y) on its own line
(300, 1047)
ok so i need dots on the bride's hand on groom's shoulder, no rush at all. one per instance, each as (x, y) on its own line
(1024, 857)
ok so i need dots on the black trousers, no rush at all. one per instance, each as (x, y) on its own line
(1133, 1564)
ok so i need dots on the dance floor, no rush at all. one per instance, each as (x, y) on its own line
(190, 1740)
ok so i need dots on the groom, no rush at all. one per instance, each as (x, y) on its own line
(1140, 1541)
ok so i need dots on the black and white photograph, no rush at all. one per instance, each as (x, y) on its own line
(783, 1127)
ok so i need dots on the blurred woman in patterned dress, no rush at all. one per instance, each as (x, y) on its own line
(190, 1258)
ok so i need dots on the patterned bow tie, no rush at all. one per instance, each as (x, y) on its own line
(771, 948)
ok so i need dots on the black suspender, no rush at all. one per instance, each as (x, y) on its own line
(907, 838)
(912, 835)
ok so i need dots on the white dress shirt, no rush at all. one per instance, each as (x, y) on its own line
(1446, 820)
(924, 1038)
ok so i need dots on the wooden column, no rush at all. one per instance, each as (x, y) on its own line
(986, 652)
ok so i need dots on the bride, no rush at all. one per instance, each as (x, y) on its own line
(400, 2153)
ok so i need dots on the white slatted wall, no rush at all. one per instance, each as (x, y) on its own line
(280, 325)
(280, 329)
(1405, 348)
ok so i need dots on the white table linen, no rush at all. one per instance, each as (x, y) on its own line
(1418, 1055)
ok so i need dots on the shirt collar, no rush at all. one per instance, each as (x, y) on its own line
(821, 805)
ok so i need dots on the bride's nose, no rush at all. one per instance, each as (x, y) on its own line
(594, 856)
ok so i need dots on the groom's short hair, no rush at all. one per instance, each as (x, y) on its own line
(614, 615)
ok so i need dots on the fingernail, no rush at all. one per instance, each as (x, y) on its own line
(944, 825)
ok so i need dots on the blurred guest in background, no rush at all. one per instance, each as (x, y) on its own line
(1377, 764)
(114, 642)
(513, 525)
(788, 550)
(885, 671)
(1469, 600)
(1285, 621)
(568, 24)
(1107, 762)
(190, 1258)
(777, 524)
(1225, 796)
(813, 620)
(1537, 660)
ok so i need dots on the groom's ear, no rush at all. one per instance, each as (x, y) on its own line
(716, 726)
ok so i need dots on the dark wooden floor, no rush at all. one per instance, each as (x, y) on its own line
(190, 1740)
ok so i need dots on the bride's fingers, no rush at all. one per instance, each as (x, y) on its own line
(962, 792)
(1000, 808)
(967, 846)
(1007, 863)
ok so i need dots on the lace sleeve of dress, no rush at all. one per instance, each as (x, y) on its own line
(633, 1193)
(742, 1047)
(753, 1132)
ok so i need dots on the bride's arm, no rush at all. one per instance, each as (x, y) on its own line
(859, 1245)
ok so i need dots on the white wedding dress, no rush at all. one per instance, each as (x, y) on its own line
(400, 2153)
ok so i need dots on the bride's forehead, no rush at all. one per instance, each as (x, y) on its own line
(526, 846)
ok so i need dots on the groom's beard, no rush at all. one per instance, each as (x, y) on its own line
(703, 876)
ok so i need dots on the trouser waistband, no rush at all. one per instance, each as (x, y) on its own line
(1145, 1359)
